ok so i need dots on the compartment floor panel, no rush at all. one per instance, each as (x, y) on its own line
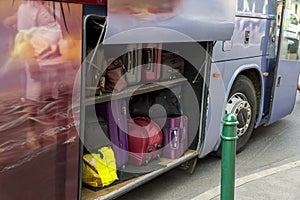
(137, 173)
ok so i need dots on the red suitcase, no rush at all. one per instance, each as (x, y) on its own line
(175, 130)
(151, 62)
(144, 140)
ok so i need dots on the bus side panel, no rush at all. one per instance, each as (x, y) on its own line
(40, 57)
(228, 58)
(218, 93)
(240, 47)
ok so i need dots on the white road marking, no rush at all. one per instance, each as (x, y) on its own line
(214, 192)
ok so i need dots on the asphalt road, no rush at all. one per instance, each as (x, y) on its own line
(269, 147)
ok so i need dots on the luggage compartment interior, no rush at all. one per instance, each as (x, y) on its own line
(192, 85)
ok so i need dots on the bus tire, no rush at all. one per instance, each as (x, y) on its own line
(242, 103)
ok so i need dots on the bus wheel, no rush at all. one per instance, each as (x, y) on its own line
(242, 103)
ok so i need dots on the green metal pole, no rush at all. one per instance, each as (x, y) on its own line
(229, 138)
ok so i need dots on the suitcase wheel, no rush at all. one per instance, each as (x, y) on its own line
(158, 156)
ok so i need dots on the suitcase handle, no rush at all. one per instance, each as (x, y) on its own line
(149, 61)
(174, 138)
(154, 59)
(123, 109)
(136, 56)
(142, 121)
(129, 60)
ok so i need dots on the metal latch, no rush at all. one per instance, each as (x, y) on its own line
(247, 37)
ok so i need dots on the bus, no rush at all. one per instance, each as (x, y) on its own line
(59, 91)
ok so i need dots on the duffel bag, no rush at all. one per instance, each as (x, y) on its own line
(99, 169)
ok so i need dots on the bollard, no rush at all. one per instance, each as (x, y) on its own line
(229, 138)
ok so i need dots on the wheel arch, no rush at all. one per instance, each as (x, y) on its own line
(256, 77)
(253, 73)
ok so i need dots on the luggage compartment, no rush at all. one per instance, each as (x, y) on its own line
(189, 88)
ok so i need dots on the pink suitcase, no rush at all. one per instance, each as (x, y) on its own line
(175, 136)
(114, 113)
(151, 62)
(133, 63)
(144, 140)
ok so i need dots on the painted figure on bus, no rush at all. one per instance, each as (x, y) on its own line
(41, 56)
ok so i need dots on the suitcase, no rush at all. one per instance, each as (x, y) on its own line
(133, 63)
(172, 66)
(151, 62)
(114, 113)
(169, 101)
(113, 79)
(175, 130)
(96, 132)
(144, 140)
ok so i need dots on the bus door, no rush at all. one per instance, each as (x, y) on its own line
(287, 60)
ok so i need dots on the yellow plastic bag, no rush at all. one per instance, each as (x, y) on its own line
(99, 169)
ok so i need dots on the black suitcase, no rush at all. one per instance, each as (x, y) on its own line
(96, 132)
(172, 66)
(157, 104)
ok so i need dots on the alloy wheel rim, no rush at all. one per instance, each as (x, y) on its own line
(239, 106)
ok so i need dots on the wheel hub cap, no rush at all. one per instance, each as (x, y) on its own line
(240, 107)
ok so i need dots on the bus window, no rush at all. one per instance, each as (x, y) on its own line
(252, 6)
(290, 31)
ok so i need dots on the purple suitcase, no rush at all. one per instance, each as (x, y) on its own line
(114, 113)
(175, 136)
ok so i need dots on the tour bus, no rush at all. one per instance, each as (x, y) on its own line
(75, 72)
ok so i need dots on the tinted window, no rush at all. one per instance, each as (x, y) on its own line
(252, 6)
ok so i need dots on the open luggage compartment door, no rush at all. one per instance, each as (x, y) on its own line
(158, 21)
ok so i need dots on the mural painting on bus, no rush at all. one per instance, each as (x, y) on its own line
(40, 56)
(145, 9)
